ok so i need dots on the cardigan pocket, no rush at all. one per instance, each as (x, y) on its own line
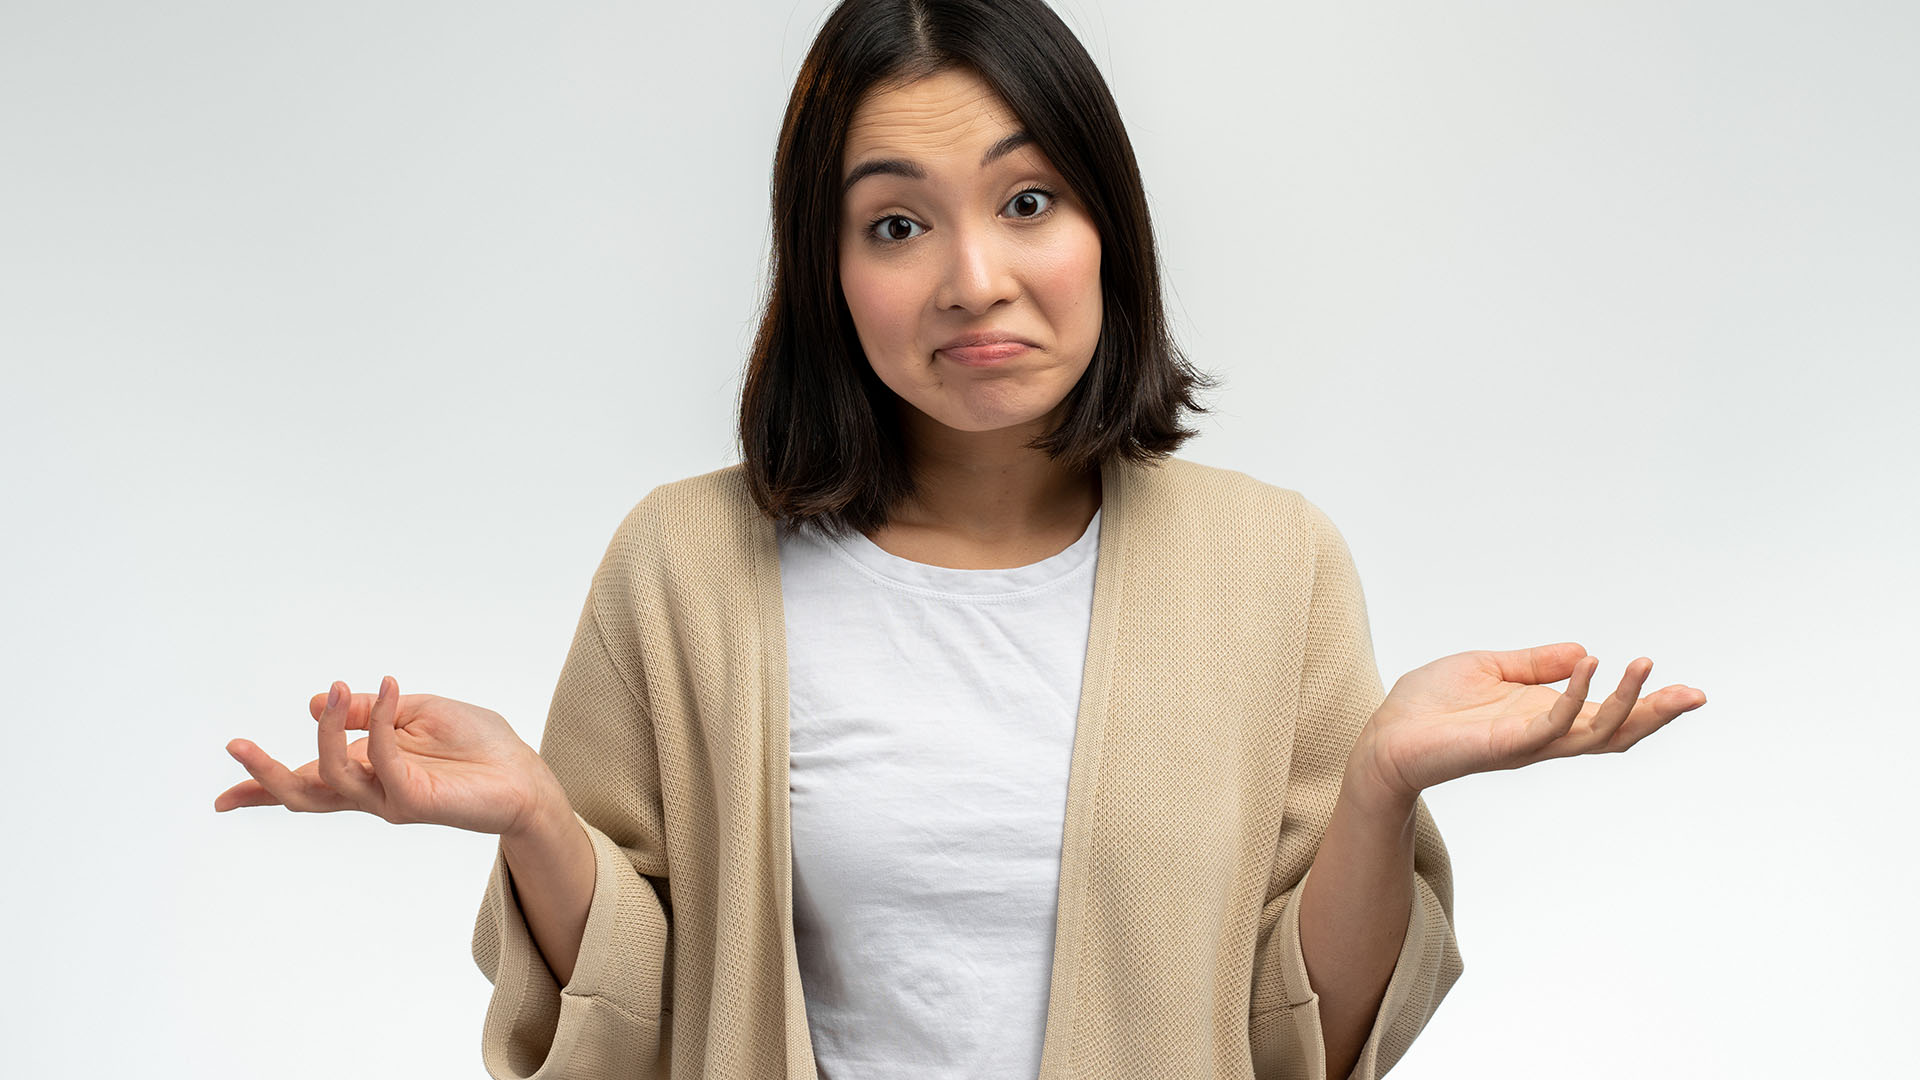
(1287, 1042)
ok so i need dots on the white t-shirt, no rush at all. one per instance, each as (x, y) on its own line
(933, 712)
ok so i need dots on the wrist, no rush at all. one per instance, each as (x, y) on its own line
(548, 816)
(1366, 785)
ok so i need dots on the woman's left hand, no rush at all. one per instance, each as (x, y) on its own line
(1482, 711)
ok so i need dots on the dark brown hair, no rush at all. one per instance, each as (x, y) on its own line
(819, 431)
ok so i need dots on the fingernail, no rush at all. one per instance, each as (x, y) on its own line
(333, 696)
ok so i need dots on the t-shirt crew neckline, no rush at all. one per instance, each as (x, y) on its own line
(947, 581)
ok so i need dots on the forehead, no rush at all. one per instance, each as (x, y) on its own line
(946, 112)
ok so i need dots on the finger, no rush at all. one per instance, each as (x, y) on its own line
(288, 788)
(245, 793)
(1681, 697)
(359, 708)
(354, 709)
(1644, 722)
(383, 749)
(380, 722)
(1538, 665)
(1614, 711)
(1654, 712)
(1566, 709)
(337, 768)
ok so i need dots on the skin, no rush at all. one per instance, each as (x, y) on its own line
(977, 257)
(974, 248)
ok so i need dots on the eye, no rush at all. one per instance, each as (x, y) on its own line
(890, 230)
(1031, 203)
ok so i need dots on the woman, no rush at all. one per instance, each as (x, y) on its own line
(961, 730)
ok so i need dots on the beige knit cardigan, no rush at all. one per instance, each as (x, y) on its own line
(1229, 670)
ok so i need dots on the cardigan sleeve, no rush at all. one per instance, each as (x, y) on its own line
(1339, 690)
(611, 1020)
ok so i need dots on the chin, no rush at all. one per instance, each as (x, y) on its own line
(984, 422)
(976, 412)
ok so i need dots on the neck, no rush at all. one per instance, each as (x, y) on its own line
(988, 487)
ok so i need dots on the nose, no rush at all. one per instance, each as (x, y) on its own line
(978, 272)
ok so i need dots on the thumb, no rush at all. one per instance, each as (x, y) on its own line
(1539, 664)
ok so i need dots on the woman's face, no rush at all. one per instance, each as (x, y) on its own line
(954, 227)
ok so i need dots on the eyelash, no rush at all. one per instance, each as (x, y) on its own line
(1053, 200)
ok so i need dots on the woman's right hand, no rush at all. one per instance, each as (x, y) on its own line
(426, 759)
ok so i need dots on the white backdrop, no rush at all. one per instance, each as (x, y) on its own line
(339, 337)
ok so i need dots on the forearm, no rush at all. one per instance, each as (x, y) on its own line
(552, 864)
(1354, 909)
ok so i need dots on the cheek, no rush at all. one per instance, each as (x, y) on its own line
(1070, 277)
(880, 299)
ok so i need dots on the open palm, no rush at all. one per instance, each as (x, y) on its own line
(427, 759)
(1482, 711)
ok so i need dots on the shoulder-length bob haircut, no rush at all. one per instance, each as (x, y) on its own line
(819, 431)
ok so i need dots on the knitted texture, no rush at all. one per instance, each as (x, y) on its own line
(1229, 671)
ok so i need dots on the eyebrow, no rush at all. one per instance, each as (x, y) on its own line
(912, 171)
